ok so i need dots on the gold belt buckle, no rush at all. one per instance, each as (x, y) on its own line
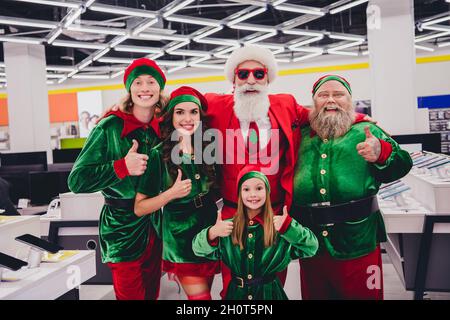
(241, 282)
(198, 201)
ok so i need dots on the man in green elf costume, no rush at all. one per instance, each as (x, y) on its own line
(340, 167)
(113, 157)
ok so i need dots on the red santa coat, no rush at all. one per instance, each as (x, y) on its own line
(289, 117)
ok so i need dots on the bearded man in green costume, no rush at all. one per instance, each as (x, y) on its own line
(341, 165)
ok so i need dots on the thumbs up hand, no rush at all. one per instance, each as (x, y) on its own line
(370, 149)
(136, 162)
(279, 220)
(221, 228)
(180, 188)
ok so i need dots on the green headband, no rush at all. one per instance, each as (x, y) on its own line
(254, 174)
(183, 98)
(140, 70)
(344, 83)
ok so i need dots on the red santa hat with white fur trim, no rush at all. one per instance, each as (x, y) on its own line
(255, 53)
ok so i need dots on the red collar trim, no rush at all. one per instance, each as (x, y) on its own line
(258, 218)
(130, 123)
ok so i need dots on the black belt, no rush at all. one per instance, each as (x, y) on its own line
(125, 204)
(199, 201)
(330, 214)
(233, 205)
(245, 282)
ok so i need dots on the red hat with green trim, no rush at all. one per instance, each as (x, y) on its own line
(330, 77)
(187, 94)
(251, 171)
(143, 66)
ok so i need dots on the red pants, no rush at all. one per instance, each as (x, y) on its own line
(139, 279)
(226, 278)
(324, 277)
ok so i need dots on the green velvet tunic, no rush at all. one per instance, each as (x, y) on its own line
(178, 227)
(256, 260)
(333, 171)
(123, 235)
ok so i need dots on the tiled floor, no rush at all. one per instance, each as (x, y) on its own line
(393, 287)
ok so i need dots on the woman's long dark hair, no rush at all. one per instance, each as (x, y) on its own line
(167, 129)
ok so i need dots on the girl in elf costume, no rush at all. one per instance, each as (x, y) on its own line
(183, 186)
(114, 155)
(255, 244)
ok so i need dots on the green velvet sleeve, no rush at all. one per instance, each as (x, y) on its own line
(397, 165)
(92, 171)
(150, 183)
(304, 242)
(202, 248)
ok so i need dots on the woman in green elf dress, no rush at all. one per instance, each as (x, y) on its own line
(188, 204)
(255, 244)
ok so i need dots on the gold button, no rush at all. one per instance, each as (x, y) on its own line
(249, 277)
(323, 191)
(250, 235)
(197, 176)
(250, 256)
(250, 297)
(251, 222)
(192, 157)
(323, 155)
(325, 233)
(325, 140)
(323, 171)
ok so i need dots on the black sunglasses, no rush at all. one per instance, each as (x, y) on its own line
(258, 73)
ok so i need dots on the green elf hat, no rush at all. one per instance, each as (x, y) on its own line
(329, 77)
(143, 66)
(187, 94)
(249, 172)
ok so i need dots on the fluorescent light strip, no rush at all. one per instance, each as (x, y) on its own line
(177, 68)
(73, 16)
(429, 37)
(118, 73)
(115, 60)
(122, 11)
(347, 6)
(207, 33)
(161, 37)
(232, 48)
(216, 41)
(304, 42)
(144, 26)
(20, 40)
(177, 46)
(59, 68)
(252, 28)
(78, 44)
(87, 29)
(348, 45)
(283, 60)
(55, 35)
(308, 49)
(117, 41)
(299, 9)
(247, 16)
(301, 32)
(168, 63)
(123, 48)
(62, 80)
(262, 37)
(435, 21)
(2, 79)
(85, 64)
(90, 76)
(443, 44)
(308, 56)
(72, 73)
(177, 8)
(53, 3)
(346, 37)
(190, 53)
(194, 20)
(200, 59)
(343, 53)
(50, 82)
(365, 52)
(28, 23)
(208, 66)
(437, 28)
(55, 76)
(424, 48)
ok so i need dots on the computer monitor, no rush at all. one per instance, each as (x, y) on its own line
(426, 141)
(65, 155)
(44, 186)
(24, 159)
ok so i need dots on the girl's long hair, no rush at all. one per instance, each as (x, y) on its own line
(240, 222)
(167, 129)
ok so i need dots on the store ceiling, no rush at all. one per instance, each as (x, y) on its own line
(96, 39)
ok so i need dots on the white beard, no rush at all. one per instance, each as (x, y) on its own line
(251, 107)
